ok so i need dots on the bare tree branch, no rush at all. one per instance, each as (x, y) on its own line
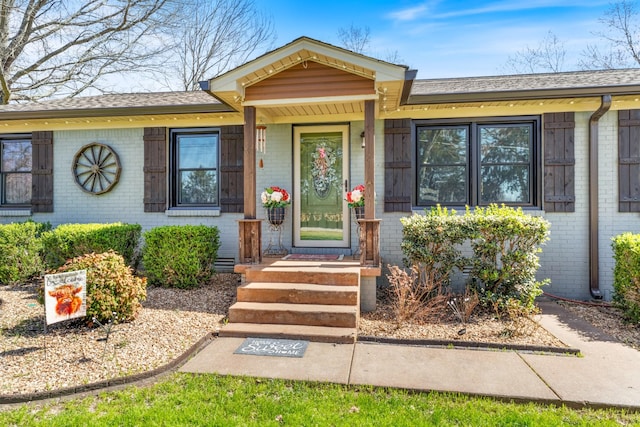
(355, 39)
(547, 57)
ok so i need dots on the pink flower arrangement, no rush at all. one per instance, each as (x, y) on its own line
(275, 197)
(355, 197)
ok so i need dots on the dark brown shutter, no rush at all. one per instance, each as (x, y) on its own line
(231, 170)
(397, 165)
(559, 162)
(155, 169)
(42, 171)
(629, 160)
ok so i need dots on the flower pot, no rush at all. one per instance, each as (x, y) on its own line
(358, 211)
(275, 216)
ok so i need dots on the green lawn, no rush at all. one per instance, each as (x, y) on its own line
(194, 400)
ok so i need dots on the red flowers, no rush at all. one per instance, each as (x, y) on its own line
(355, 197)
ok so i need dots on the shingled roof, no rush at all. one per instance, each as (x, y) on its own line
(117, 105)
(525, 86)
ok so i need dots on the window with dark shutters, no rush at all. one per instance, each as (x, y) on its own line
(231, 169)
(559, 162)
(629, 160)
(397, 165)
(155, 169)
(42, 171)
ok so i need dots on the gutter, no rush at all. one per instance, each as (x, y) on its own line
(594, 285)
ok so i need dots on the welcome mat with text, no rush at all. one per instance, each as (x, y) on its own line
(272, 347)
(313, 257)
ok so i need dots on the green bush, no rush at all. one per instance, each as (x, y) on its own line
(20, 249)
(431, 242)
(67, 241)
(180, 256)
(112, 289)
(626, 275)
(505, 244)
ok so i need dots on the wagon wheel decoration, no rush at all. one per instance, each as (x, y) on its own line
(96, 168)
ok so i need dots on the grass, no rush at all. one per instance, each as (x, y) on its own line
(187, 399)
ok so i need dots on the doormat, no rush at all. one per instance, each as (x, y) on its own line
(313, 257)
(272, 347)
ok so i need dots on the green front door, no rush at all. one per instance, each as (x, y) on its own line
(321, 163)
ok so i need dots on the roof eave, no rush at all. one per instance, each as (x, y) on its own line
(115, 112)
(445, 98)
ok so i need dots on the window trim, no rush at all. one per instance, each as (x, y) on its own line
(173, 168)
(473, 125)
(15, 206)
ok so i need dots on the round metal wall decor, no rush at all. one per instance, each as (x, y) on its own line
(96, 168)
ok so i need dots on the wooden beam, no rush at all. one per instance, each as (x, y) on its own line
(369, 159)
(249, 162)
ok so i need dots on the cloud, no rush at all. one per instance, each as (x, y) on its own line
(409, 14)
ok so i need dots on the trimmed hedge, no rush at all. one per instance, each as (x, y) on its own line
(180, 256)
(71, 240)
(20, 248)
(505, 243)
(112, 289)
(626, 275)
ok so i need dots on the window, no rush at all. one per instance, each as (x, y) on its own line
(194, 161)
(478, 162)
(15, 171)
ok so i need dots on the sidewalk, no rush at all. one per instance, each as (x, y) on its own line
(607, 374)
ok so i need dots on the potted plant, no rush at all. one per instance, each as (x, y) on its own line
(355, 200)
(275, 200)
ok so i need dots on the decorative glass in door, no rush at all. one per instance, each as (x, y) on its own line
(321, 217)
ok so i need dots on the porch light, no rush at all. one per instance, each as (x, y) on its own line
(362, 137)
(261, 138)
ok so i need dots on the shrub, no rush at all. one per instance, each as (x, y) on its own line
(413, 298)
(431, 241)
(71, 240)
(20, 249)
(626, 275)
(112, 289)
(180, 256)
(505, 245)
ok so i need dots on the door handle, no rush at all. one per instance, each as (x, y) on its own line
(346, 186)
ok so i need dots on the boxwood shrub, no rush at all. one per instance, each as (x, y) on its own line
(626, 275)
(112, 289)
(20, 249)
(67, 241)
(180, 256)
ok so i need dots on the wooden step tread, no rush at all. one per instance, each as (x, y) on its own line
(310, 333)
(316, 308)
(300, 286)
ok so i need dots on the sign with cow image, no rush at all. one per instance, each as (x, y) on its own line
(65, 296)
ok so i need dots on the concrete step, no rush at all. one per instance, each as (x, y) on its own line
(294, 314)
(295, 332)
(298, 293)
(315, 275)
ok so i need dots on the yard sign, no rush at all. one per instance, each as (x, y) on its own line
(65, 296)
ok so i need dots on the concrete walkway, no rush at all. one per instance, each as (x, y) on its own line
(607, 374)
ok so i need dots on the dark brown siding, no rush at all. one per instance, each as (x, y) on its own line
(312, 80)
(155, 169)
(397, 165)
(42, 171)
(231, 171)
(629, 160)
(559, 162)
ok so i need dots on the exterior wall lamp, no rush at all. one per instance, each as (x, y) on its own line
(362, 137)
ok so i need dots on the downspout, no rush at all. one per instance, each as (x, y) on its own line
(594, 285)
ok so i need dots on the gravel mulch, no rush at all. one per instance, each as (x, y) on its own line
(172, 320)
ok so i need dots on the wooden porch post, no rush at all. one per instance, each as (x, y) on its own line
(369, 226)
(250, 229)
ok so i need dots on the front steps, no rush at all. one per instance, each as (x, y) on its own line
(297, 302)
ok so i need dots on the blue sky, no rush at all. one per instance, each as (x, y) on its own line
(444, 38)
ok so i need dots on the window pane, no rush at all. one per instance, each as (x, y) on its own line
(198, 187)
(16, 156)
(508, 184)
(505, 144)
(442, 184)
(17, 188)
(198, 151)
(437, 146)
